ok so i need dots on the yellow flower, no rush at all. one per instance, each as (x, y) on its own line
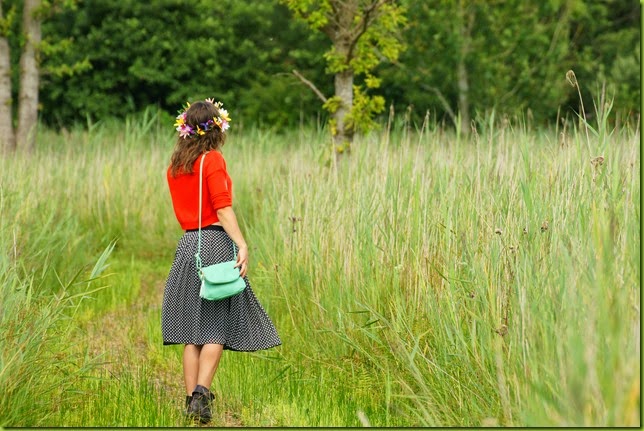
(224, 114)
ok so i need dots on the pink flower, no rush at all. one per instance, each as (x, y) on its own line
(184, 130)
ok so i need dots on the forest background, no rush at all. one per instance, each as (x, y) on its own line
(473, 261)
(110, 58)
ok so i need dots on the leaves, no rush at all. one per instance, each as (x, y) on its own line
(314, 12)
(103, 58)
(234, 51)
(365, 108)
(7, 20)
(363, 34)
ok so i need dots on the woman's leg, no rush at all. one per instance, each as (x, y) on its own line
(208, 362)
(191, 366)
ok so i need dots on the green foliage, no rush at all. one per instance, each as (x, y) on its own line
(7, 21)
(336, 62)
(314, 12)
(364, 110)
(371, 81)
(104, 58)
(381, 40)
(172, 53)
(362, 36)
(52, 51)
(516, 56)
(606, 44)
(332, 104)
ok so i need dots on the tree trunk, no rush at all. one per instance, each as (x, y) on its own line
(465, 24)
(463, 96)
(344, 91)
(29, 77)
(7, 141)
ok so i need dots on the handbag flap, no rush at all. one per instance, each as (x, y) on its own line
(220, 273)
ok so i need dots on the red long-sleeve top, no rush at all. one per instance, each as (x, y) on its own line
(217, 192)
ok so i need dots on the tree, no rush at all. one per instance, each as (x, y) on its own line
(464, 25)
(237, 51)
(605, 42)
(26, 34)
(28, 97)
(516, 56)
(362, 33)
(29, 75)
(7, 140)
(466, 58)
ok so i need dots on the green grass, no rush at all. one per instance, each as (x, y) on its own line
(425, 279)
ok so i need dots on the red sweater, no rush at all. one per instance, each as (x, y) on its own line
(217, 192)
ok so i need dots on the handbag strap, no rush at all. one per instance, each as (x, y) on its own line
(198, 255)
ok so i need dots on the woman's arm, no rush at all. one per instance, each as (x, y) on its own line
(228, 220)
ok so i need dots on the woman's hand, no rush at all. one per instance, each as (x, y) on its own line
(228, 220)
(242, 261)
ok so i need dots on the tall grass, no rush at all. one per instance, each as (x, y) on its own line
(422, 280)
(38, 366)
(497, 279)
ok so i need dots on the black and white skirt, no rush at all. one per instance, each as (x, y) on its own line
(239, 322)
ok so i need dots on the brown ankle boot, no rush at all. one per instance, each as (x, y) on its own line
(200, 404)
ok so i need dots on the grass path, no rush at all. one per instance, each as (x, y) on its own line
(139, 382)
(133, 361)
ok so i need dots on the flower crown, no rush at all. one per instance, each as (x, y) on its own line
(186, 130)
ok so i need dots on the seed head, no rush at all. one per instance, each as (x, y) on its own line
(502, 330)
(572, 79)
(597, 161)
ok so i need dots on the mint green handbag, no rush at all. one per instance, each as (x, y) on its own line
(221, 280)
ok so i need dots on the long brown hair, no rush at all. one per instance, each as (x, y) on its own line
(188, 149)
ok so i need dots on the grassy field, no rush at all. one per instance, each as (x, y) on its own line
(427, 279)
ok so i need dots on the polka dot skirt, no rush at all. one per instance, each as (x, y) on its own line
(239, 322)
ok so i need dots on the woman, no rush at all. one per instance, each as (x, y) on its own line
(206, 328)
